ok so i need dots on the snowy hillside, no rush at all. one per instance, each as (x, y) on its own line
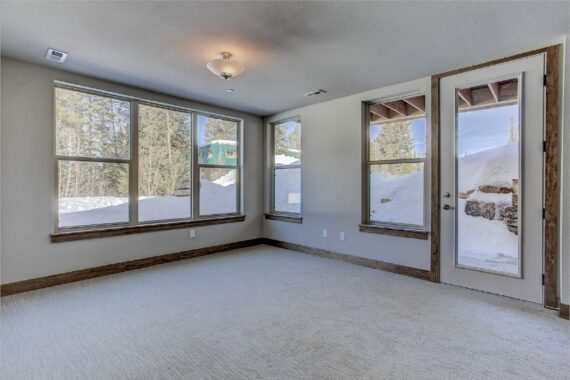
(399, 199)
(493, 167)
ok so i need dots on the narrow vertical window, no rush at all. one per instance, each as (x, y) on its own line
(164, 165)
(395, 163)
(218, 165)
(93, 158)
(286, 167)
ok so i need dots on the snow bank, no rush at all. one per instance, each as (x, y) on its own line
(67, 205)
(85, 211)
(281, 159)
(227, 180)
(397, 199)
(493, 167)
(485, 243)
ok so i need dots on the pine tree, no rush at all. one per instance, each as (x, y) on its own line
(219, 129)
(287, 137)
(394, 140)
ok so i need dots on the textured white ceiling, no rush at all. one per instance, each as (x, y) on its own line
(289, 48)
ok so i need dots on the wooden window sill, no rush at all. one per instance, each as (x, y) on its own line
(413, 234)
(59, 237)
(285, 218)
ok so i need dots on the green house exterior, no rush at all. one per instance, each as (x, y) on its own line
(218, 152)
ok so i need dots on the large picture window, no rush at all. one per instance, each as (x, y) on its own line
(123, 161)
(395, 151)
(286, 167)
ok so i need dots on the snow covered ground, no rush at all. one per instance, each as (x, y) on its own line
(492, 167)
(215, 198)
(486, 244)
(397, 199)
(483, 243)
(287, 185)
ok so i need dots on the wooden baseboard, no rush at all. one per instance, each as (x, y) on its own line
(564, 311)
(370, 263)
(84, 274)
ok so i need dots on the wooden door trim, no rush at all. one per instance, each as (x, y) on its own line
(551, 167)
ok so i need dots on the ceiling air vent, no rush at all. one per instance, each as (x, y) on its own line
(315, 93)
(56, 55)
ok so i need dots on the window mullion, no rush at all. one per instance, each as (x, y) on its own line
(398, 161)
(272, 157)
(238, 169)
(195, 170)
(93, 159)
(134, 166)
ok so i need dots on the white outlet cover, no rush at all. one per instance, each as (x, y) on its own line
(342, 236)
(325, 233)
(192, 234)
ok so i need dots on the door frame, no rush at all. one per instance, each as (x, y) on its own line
(551, 168)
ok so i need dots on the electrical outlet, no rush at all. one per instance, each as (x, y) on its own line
(342, 236)
(191, 234)
(325, 233)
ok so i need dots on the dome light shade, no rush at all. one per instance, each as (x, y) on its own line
(224, 67)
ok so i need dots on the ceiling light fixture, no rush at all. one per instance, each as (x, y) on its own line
(224, 68)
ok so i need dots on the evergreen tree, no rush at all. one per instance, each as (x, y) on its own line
(394, 141)
(287, 137)
(219, 129)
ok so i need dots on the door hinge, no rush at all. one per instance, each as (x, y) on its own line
(543, 213)
(543, 279)
(544, 146)
(544, 80)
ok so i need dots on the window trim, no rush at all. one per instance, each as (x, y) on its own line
(133, 225)
(284, 216)
(392, 228)
(197, 166)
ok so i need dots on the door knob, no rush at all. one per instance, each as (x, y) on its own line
(447, 207)
(446, 195)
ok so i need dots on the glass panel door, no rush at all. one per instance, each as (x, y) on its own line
(488, 177)
(491, 166)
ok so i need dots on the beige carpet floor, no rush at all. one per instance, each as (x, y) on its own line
(268, 313)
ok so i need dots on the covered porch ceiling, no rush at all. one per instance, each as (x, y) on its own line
(490, 95)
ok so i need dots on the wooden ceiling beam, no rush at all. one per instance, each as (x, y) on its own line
(379, 110)
(467, 95)
(494, 88)
(418, 102)
(397, 106)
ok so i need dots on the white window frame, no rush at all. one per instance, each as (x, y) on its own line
(367, 163)
(132, 161)
(274, 167)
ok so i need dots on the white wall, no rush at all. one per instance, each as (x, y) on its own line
(331, 182)
(27, 177)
